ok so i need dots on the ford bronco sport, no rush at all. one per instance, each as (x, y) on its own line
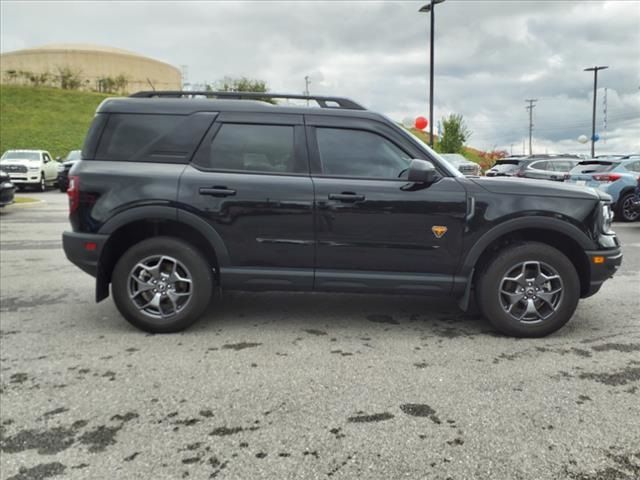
(177, 195)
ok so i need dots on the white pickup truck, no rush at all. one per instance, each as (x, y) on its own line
(30, 168)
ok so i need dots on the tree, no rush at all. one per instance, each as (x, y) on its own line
(454, 134)
(242, 84)
(69, 79)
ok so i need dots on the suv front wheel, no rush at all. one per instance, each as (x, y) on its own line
(162, 285)
(529, 290)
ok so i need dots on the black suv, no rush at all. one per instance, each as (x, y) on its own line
(177, 195)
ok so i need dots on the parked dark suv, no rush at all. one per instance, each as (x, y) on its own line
(176, 196)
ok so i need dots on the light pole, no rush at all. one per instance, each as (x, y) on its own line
(426, 9)
(593, 118)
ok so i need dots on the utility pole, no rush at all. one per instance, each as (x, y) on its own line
(307, 82)
(430, 8)
(184, 75)
(604, 136)
(530, 107)
(595, 94)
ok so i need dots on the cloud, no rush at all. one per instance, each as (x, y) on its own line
(490, 55)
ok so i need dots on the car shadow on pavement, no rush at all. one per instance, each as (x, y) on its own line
(357, 312)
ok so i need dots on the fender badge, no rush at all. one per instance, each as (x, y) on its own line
(439, 230)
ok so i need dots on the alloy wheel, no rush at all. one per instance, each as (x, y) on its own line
(628, 211)
(531, 292)
(160, 286)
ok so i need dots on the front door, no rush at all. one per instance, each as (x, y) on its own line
(375, 230)
(250, 181)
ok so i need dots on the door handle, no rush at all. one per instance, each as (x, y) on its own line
(217, 191)
(346, 197)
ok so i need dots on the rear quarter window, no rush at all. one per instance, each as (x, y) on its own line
(152, 138)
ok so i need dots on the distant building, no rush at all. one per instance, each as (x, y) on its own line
(88, 67)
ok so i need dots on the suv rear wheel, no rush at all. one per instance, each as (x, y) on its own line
(162, 285)
(528, 290)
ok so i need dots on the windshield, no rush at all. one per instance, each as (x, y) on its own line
(73, 155)
(13, 155)
(443, 163)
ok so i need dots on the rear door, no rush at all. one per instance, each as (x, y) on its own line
(539, 169)
(374, 230)
(250, 181)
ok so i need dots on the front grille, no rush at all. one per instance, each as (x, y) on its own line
(13, 168)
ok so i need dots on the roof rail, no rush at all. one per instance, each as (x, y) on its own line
(324, 102)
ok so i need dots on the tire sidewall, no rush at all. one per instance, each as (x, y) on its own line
(489, 285)
(623, 200)
(191, 258)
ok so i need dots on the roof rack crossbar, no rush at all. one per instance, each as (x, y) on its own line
(323, 102)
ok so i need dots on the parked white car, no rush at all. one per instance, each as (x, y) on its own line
(30, 168)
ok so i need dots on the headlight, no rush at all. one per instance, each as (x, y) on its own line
(606, 218)
(60, 168)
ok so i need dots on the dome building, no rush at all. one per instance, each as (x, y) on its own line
(88, 67)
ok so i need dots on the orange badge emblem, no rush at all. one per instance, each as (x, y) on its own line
(439, 230)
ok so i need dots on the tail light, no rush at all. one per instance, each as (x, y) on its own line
(73, 192)
(607, 177)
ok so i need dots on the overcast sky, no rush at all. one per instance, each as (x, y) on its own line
(490, 56)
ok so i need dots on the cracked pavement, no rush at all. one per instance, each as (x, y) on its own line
(289, 386)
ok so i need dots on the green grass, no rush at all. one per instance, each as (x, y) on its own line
(45, 118)
(25, 200)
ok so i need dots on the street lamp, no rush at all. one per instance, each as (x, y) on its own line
(426, 9)
(593, 119)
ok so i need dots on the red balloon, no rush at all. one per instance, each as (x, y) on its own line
(421, 123)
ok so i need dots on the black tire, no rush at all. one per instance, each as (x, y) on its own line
(42, 185)
(492, 278)
(626, 212)
(62, 190)
(197, 268)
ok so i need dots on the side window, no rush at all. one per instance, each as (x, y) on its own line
(539, 166)
(358, 153)
(562, 166)
(125, 136)
(45, 157)
(255, 148)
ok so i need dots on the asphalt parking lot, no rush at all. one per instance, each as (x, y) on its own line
(290, 386)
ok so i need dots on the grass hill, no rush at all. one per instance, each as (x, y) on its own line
(57, 120)
(45, 118)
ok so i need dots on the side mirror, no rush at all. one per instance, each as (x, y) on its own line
(422, 171)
